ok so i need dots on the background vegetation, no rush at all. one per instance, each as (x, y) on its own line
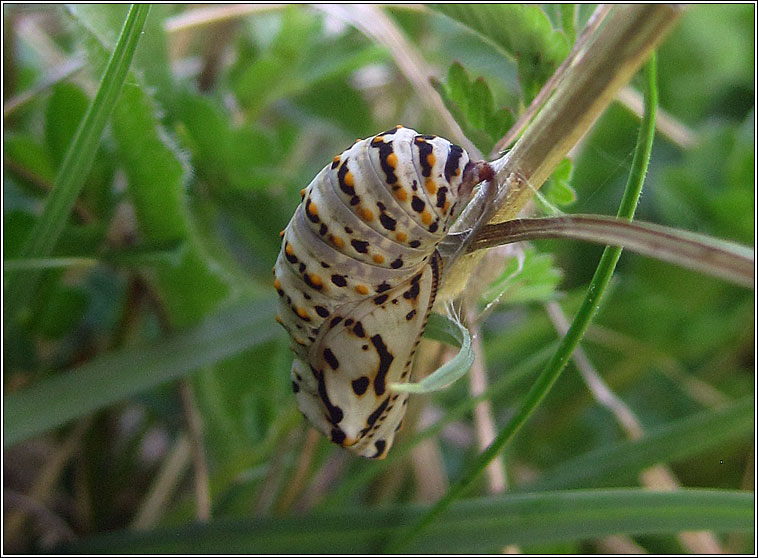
(146, 384)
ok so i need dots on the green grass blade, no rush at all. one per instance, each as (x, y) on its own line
(77, 161)
(480, 525)
(116, 376)
(584, 316)
(620, 463)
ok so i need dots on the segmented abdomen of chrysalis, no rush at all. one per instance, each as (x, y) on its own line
(357, 275)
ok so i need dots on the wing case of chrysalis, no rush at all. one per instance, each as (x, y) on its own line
(357, 275)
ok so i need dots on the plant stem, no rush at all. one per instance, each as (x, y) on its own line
(718, 258)
(624, 41)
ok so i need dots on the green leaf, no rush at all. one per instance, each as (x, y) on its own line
(155, 170)
(459, 84)
(145, 255)
(242, 158)
(25, 152)
(521, 32)
(340, 59)
(532, 75)
(191, 289)
(701, 76)
(449, 331)
(472, 105)
(480, 103)
(568, 21)
(558, 191)
(499, 122)
(291, 65)
(262, 82)
(479, 138)
(243, 397)
(535, 279)
(16, 227)
(64, 111)
(355, 114)
(697, 195)
(64, 309)
(115, 376)
(480, 525)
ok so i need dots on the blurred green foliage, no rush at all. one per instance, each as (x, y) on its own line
(218, 127)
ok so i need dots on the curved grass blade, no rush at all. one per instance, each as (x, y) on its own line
(584, 316)
(453, 333)
(479, 525)
(76, 162)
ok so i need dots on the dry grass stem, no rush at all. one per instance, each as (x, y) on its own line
(41, 490)
(197, 444)
(199, 17)
(166, 481)
(375, 24)
(296, 486)
(484, 421)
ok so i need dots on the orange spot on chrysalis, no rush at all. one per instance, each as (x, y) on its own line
(361, 289)
(316, 280)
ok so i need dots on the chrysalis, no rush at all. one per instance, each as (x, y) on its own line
(357, 275)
